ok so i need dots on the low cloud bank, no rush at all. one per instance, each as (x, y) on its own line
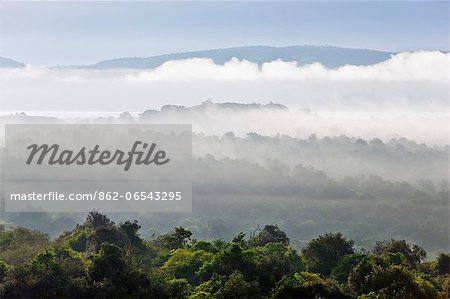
(270, 120)
(217, 119)
(404, 66)
(407, 82)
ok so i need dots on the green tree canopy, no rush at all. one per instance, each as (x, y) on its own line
(322, 254)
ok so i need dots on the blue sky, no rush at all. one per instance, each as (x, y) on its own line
(85, 32)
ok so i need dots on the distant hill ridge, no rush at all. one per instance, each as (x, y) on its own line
(10, 63)
(329, 56)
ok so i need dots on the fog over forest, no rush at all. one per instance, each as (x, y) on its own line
(363, 150)
(368, 187)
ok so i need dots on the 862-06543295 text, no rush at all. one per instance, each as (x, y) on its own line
(99, 195)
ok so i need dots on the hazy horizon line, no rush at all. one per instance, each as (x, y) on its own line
(187, 51)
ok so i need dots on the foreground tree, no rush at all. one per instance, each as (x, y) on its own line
(270, 234)
(102, 259)
(323, 253)
(307, 285)
(443, 264)
(179, 237)
(18, 245)
(413, 253)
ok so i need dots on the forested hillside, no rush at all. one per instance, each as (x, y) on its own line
(100, 258)
(327, 55)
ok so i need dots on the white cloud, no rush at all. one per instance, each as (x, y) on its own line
(408, 81)
(432, 66)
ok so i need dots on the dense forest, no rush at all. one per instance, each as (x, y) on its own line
(100, 258)
(381, 198)
(368, 189)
